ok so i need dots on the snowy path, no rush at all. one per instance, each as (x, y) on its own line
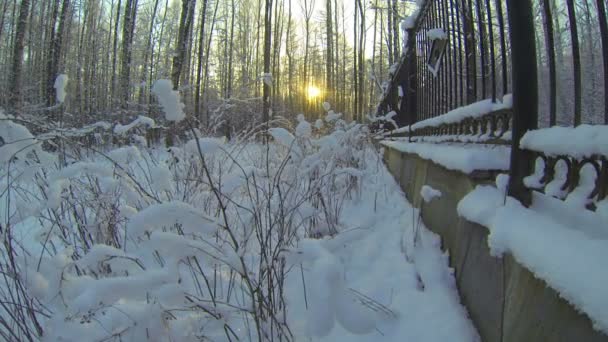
(420, 294)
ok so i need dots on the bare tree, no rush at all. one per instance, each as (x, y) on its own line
(127, 42)
(267, 77)
(15, 82)
(55, 52)
(182, 40)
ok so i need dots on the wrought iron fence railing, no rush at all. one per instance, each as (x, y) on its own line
(552, 55)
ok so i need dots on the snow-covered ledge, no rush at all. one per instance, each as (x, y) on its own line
(506, 298)
(570, 259)
(465, 158)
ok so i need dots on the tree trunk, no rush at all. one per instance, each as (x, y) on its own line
(127, 37)
(15, 82)
(148, 51)
(113, 84)
(178, 60)
(391, 60)
(55, 48)
(199, 68)
(329, 36)
(267, 41)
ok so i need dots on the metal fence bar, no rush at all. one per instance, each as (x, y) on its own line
(525, 94)
(550, 46)
(469, 35)
(491, 43)
(449, 64)
(482, 47)
(601, 13)
(576, 62)
(461, 76)
(503, 47)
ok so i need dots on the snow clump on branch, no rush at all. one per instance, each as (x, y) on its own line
(60, 83)
(169, 100)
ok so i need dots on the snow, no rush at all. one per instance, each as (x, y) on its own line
(332, 116)
(161, 178)
(559, 244)
(304, 128)
(319, 124)
(282, 136)
(560, 177)
(169, 100)
(169, 214)
(16, 139)
(472, 111)
(409, 22)
(428, 193)
(267, 79)
(60, 83)
(140, 121)
(388, 118)
(125, 155)
(207, 145)
(155, 234)
(458, 157)
(396, 299)
(436, 33)
(584, 141)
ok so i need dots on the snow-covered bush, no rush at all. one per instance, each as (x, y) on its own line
(180, 244)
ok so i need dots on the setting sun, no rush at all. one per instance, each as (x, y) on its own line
(313, 92)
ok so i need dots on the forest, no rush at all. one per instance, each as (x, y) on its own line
(218, 54)
(234, 170)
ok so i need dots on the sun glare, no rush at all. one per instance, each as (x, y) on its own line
(313, 92)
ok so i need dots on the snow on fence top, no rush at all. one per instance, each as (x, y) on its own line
(472, 111)
(579, 142)
(436, 33)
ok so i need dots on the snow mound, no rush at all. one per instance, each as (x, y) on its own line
(428, 193)
(167, 215)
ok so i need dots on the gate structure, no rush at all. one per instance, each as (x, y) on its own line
(497, 69)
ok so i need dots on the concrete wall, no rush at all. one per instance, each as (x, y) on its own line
(505, 301)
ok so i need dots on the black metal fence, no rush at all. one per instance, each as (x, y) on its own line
(552, 55)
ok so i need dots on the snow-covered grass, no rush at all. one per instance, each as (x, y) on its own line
(302, 238)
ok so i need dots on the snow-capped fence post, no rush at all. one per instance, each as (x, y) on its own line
(525, 94)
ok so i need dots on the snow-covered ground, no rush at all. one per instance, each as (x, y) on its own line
(308, 238)
(385, 287)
